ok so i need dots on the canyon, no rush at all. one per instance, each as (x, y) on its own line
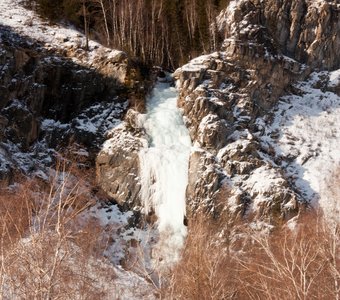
(245, 134)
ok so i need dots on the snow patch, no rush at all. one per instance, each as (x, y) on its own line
(52, 37)
(305, 132)
(334, 78)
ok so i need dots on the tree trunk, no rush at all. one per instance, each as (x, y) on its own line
(86, 26)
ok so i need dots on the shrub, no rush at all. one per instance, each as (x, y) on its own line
(299, 263)
(43, 252)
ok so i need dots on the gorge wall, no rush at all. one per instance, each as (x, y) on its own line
(54, 93)
(228, 98)
(55, 96)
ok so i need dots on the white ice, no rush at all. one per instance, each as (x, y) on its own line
(164, 167)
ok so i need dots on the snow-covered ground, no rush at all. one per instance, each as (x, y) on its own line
(55, 37)
(130, 283)
(307, 137)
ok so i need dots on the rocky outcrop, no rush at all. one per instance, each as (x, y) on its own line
(21, 125)
(118, 167)
(81, 94)
(227, 99)
(313, 36)
(234, 89)
(305, 30)
(57, 87)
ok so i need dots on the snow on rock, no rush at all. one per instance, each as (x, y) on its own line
(262, 189)
(334, 78)
(32, 162)
(89, 129)
(47, 83)
(49, 124)
(121, 137)
(305, 133)
(97, 120)
(126, 245)
(249, 170)
(114, 223)
(270, 167)
(227, 17)
(118, 167)
(197, 64)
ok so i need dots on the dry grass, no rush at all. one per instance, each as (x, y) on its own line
(298, 264)
(302, 263)
(15, 214)
(43, 252)
(206, 270)
(48, 252)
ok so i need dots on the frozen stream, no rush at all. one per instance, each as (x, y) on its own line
(164, 168)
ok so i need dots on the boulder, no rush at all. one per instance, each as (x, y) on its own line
(118, 167)
(21, 125)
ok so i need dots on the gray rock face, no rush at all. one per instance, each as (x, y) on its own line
(301, 28)
(297, 27)
(223, 95)
(250, 84)
(118, 167)
(21, 126)
(37, 83)
(206, 182)
(56, 87)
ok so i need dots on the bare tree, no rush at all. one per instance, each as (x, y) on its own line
(291, 264)
(104, 11)
(86, 24)
(39, 254)
(206, 271)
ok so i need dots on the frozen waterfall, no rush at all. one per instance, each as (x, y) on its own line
(164, 168)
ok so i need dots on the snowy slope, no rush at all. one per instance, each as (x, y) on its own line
(63, 39)
(21, 25)
(129, 283)
(307, 137)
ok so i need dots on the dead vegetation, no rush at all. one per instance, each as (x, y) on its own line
(46, 250)
(289, 263)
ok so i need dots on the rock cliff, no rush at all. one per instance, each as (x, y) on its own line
(305, 30)
(229, 99)
(118, 166)
(55, 95)
(229, 96)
